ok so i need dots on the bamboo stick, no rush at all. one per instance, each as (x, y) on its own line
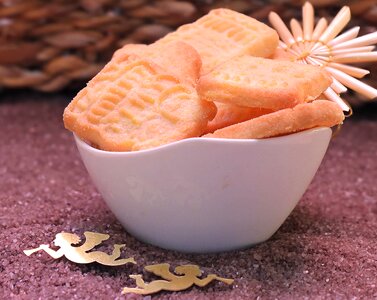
(357, 50)
(365, 40)
(308, 20)
(337, 24)
(319, 29)
(331, 95)
(296, 30)
(356, 57)
(353, 83)
(338, 87)
(280, 27)
(350, 70)
(348, 35)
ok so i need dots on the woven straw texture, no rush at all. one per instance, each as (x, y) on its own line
(51, 45)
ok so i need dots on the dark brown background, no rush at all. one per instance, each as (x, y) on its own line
(55, 44)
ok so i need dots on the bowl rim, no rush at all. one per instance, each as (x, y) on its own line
(192, 140)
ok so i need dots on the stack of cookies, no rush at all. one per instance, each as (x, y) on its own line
(211, 78)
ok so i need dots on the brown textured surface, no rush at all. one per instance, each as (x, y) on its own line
(326, 249)
(49, 45)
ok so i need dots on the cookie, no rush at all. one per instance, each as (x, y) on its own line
(228, 114)
(266, 83)
(281, 54)
(176, 61)
(319, 113)
(143, 98)
(223, 34)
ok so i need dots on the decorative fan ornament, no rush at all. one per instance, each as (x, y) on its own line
(319, 44)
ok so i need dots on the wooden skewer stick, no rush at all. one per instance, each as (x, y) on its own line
(319, 29)
(308, 20)
(322, 58)
(331, 95)
(315, 62)
(365, 40)
(337, 24)
(280, 27)
(296, 30)
(356, 57)
(338, 87)
(343, 51)
(344, 37)
(353, 83)
(350, 70)
(355, 51)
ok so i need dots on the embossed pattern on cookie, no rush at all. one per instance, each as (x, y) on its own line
(265, 83)
(223, 34)
(134, 103)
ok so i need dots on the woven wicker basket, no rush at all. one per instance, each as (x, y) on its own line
(50, 45)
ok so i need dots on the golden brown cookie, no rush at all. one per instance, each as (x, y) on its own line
(143, 98)
(281, 54)
(266, 83)
(223, 34)
(319, 113)
(228, 114)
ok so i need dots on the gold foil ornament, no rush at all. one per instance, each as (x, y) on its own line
(321, 45)
(81, 254)
(187, 277)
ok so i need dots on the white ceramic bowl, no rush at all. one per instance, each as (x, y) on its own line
(207, 195)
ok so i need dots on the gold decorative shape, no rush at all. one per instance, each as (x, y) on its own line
(321, 45)
(81, 254)
(187, 277)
